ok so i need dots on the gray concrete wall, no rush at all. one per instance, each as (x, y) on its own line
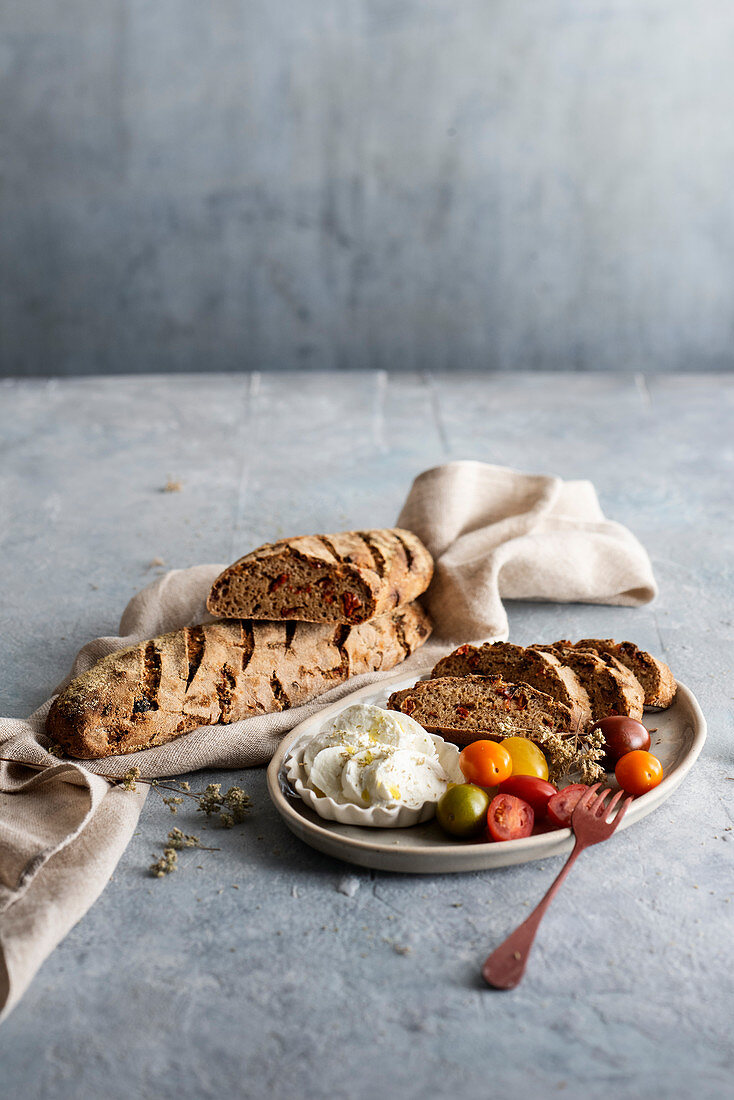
(423, 184)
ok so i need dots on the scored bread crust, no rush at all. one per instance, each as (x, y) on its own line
(465, 708)
(518, 664)
(658, 682)
(348, 577)
(611, 687)
(157, 690)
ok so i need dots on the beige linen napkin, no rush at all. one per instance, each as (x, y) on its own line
(493, 532)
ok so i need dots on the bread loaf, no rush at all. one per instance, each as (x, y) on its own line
(344, 578)
(520, 665)
(152, 692)
(463, 709)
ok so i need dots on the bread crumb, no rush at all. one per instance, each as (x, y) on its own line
(154, 562)
(171, 486)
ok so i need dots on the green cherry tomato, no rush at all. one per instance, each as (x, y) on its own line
(462, 810)
(527, 758)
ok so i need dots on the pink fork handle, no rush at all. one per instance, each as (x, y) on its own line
(506, 965)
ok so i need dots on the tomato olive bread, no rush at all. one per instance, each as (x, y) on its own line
(612, 688)
(152, 692)
(464, 708)
(348, 577)
(517, 664)
(657, 680)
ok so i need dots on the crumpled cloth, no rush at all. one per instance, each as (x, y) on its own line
(493, 532)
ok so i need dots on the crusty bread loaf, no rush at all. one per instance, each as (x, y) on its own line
(465, 708)
(517, 664)
(220, 672)
(349, 577)
(612, 688)
(658, 682)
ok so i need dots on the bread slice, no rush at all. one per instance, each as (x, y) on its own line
(220, 672)
(520, 665)
(465, 708)
(612, 688)
(656, 678)
(344, 578)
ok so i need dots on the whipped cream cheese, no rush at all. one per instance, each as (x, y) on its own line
(368, 756)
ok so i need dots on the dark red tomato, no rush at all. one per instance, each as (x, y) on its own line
(509, 818)
(533, 790)
(562, 805)
(621, 735)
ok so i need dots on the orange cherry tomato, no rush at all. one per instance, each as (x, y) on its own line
(638, 771)
(485, 763)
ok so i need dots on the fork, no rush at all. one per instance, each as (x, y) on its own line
(590, 820)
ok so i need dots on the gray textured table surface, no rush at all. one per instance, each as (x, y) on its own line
(312, 977)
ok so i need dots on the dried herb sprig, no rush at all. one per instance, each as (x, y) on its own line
(166, 864)
(577, 755)
(177, 840)
(232, 807)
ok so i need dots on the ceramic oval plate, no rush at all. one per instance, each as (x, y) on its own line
(678, 737)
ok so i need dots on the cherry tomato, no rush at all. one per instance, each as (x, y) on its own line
(485, 763)
(527, 758)
(562, 805)
(638, 771)
(533, 790)
(509, 818)
(621, 735)
(462, 810)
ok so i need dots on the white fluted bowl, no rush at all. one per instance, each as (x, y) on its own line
(390, 816)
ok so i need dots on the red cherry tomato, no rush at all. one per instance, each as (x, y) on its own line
(562, 805)
(485, 763)
(509, 818)
(638, 771)
(533, 790)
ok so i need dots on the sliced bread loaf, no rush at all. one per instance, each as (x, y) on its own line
(612, 688)
(465, 708)
(151, 693)
(520, 665)
(348, 577)
(656, 678)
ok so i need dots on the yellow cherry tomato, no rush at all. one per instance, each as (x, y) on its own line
(527, 758)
